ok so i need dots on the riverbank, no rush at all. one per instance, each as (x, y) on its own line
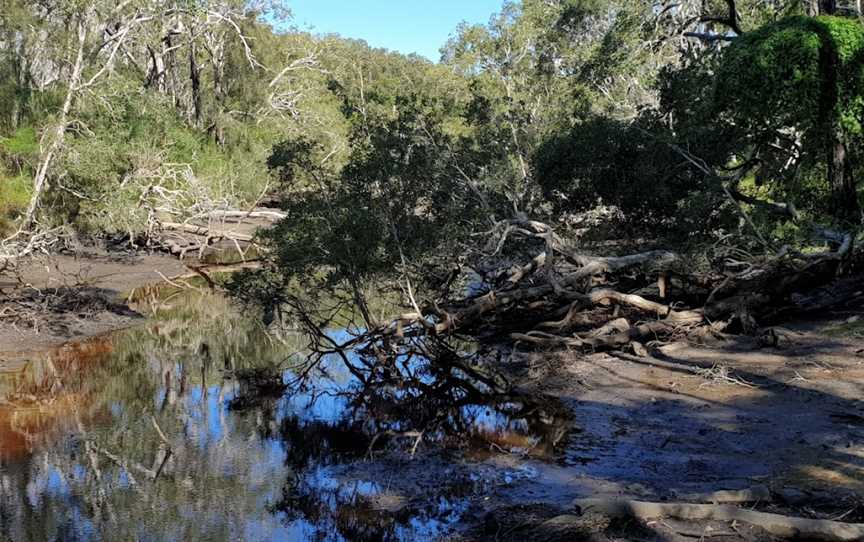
(49, 300)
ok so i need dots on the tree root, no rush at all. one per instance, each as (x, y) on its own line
(777, 525)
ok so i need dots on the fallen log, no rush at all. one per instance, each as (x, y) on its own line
(786, 527)
(206, 232)
(634, 333)
(228, 215)
(727, 496)
(551, 295)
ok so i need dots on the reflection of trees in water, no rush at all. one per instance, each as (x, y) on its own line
(398, 399)
(101, 468)
(431, 391)
(98, 465)
(207, 492)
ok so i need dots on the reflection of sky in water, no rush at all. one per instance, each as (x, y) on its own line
(206, 422)
(226, 450)
(323, 402)
(225, 475)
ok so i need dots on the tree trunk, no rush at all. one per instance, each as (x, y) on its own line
(195, 77)
(22, 79)
(170, 70)
(56, 143)
(844, 198)
(360, 301)
(156, 77)
(219, 95)
(821, 7)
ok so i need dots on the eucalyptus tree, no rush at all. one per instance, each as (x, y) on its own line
(98, 32)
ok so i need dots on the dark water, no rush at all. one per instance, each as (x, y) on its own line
(193, 426)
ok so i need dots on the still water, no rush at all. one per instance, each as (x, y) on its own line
(188, 427)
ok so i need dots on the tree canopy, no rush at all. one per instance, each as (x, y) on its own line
(665, 117)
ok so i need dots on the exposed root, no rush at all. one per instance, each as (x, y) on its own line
(780, 526)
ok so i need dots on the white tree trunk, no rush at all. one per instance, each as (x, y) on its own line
(57, 141)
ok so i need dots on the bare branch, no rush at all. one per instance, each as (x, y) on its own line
(250, 57)
(731, 20)
(709, 37)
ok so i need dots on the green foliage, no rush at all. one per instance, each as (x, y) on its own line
(14, 195)
(548, 110)
(631, 168)
(297, 164)
(18, 153)
(788, 93)
(802, 72)
(22, 144)
(397, 197)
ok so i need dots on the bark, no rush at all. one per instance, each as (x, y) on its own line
(20, 64)
(195, 79)
(239, 216)
(206, 232)
(844, 197)
(216, 129)
(156, 77)
(360, 301)
(740, 496)
(827, 7)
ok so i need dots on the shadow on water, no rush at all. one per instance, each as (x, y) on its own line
(195, 426)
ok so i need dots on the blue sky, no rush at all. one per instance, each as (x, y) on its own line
(407, 26)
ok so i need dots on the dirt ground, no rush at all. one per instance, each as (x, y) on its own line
(692, 419)
(84, 297)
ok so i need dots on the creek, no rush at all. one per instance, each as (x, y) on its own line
(190, 427)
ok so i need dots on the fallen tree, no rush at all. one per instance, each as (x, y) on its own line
(563, 298)
(23, 244)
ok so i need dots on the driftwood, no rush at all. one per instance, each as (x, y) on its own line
(201, 230)
(726, 496)
(755, 293)
(777, 525)
(23, 244)
(245, 215)
(206, 232)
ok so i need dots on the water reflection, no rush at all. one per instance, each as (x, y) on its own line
(183, 430)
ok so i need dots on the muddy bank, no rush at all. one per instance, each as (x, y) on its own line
(694, 419)
(49, 300)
